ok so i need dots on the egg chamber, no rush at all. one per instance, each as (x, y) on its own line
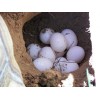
(76, 21)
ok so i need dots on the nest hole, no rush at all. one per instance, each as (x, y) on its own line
(76, 21)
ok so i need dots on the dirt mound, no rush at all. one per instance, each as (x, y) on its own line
(24, 34)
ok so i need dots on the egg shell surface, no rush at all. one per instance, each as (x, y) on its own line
(69, 67)
(45, 35)
(48, 53)
(43, 64)
(59, 63)
(76, 54)
(58, 42)
(33, 50)
(70, 37)
(64, 66)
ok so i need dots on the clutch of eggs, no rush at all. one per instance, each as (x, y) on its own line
(47, 57)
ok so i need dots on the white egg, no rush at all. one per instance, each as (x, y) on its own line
(58, 42)
(45, 35)
(43, 64)
(33, 50)
(59, 54)
(76, 54)
(59, 63)
(64, 66)
(70, 37)
(69, 67)
(47, 52)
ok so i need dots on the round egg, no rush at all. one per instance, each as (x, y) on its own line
(70, 37)
(76, 54)
(69, 67)
(33, 50)
(59, 63)
(59, 54)
(47, 52)
(64, 66)
(45, 35)
(58, 42)
(43, 64)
